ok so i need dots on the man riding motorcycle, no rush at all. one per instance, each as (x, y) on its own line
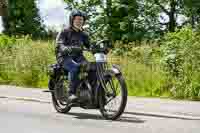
(70, 42)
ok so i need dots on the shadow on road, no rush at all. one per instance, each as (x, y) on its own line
(98, 117)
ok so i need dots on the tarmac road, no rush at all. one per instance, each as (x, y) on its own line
(18, 116)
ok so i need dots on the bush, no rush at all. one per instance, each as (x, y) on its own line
(181, 61)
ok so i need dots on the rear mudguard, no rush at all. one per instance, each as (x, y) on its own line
(54, 70)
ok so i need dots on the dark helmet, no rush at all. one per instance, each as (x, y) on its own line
(76, 13)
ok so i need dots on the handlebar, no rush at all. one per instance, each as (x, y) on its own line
(87, 50)
(98, 47)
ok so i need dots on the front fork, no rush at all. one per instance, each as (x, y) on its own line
(107, 78)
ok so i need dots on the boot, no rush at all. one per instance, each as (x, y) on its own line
(72, 98)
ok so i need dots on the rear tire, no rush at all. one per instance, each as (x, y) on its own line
(102, 100)
(58, 104)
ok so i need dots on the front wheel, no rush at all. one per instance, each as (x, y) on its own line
(113, 99)
(59, 87)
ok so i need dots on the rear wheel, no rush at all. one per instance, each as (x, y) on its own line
(113, 99)
(60, 94)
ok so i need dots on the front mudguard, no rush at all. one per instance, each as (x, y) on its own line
(113, 71)
(108, 74)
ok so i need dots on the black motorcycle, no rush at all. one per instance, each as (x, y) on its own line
(105, 90)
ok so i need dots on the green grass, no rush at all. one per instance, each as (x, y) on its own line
(24, 62)
(26, 65)
(142, 79)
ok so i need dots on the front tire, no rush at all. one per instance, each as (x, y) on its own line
(104, 96)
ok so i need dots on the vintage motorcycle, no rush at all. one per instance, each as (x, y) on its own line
(106, 90)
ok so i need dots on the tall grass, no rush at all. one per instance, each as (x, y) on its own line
(25, 62)
(143, 72)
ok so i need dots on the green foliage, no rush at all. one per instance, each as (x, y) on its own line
(124, 20)
(150, 70)
(6, 42)
(191, 10)
(23, 19)
(26, 62)
(133, 20)
(142, 70)
(192, 3)
(181, 60)
(127, 21)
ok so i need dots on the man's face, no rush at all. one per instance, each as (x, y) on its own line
(78, 22)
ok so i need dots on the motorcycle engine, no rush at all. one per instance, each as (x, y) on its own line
(85, 94)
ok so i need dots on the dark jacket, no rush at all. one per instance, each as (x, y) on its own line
(70, 39)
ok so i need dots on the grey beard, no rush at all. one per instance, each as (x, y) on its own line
(77, 27)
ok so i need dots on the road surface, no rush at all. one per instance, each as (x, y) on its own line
(18, 116)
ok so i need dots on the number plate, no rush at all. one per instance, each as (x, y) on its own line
(100, 57)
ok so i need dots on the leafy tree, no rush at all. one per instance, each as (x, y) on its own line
(174, 8)
(22, 19)
(192, 11)
(132, 20)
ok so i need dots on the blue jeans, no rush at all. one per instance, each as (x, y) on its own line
(72, 65)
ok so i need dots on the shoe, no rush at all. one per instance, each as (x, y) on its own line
(72, 98)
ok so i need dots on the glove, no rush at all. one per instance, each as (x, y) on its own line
(92, 48)
(67, 50)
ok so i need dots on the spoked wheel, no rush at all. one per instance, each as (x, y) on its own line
(113, 99)
(59, 96)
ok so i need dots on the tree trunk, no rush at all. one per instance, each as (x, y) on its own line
(172, 19)
(4, 13)
(109, 16)
(193, 21)
(171, 14)
(3, 8)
